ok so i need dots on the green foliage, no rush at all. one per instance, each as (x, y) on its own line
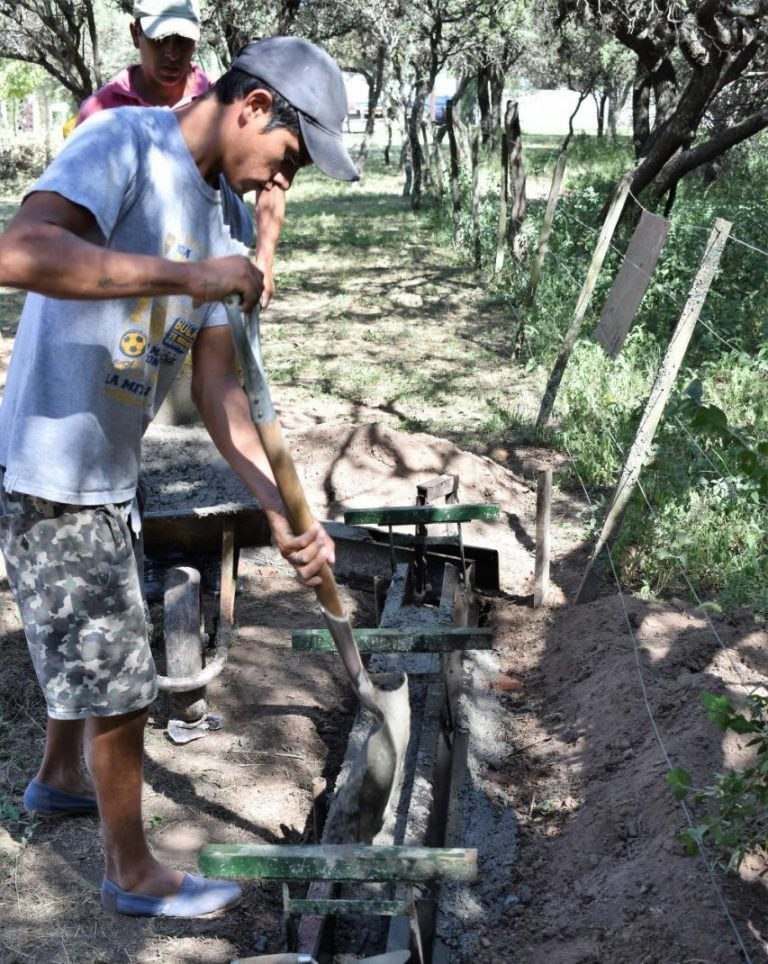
(18, 80)
(597, 390)
(708, 480)
(707, 476)
(735, 818)
(20, 163)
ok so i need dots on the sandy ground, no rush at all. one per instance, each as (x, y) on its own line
(575, 829)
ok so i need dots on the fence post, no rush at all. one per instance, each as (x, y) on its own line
(601, 249)
(516, 183)
(503, 194)
(475, 148)
(662, 388)
(512, 188)
(546, 230)
(543, 520)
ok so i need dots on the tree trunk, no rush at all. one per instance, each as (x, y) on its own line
(617, 98)
(388, 145)
(516, 182)
(375, 83)
(414, 130)
(582, 97)
(455, 187)
(427, 176)
(684, 162)
(679, 130)
(438, 167)
(641, 112)
(601, 102)
(93, 34)
(476, 250)
(497, 78)
(503, 201)
(484, 103)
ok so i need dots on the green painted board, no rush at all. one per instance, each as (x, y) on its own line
(337, 862)
(402, 515)
(437, 640)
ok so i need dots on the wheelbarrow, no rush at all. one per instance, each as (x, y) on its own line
(194, 657)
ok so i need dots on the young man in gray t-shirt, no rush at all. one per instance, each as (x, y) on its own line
(127, 244)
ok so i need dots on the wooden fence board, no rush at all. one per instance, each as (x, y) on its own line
(631, 283)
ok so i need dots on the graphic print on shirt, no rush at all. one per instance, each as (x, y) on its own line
(134, 343)
(141, 355)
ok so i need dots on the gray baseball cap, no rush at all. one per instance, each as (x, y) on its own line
(311, 81)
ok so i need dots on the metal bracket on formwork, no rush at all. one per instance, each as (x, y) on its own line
(422, 515)
(441, 487)
(360, 550)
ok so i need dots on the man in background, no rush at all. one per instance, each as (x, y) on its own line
(166, 32)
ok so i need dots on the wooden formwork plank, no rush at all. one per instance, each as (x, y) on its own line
(348, 905)
(199, 531)
(337, 862)
(228, 580)
(457, 606)
(441, 486)
(421, 810)
(436, 640)
(465, 609)
(400, 515)
(310, 928)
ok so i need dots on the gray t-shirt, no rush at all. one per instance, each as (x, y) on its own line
(87, 377)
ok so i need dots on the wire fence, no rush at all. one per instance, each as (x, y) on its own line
(719, 460)
(688, 451)
(707, 455)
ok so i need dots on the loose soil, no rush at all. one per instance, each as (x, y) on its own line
(578, 710)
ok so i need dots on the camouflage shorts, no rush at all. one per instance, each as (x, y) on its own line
(74, 577)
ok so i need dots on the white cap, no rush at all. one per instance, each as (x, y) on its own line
(162, 18)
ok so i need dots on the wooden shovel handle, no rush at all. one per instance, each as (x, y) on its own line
(292, 494)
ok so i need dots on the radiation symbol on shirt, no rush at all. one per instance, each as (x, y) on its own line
(133, 343)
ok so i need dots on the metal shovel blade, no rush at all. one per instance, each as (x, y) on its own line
(360, 804)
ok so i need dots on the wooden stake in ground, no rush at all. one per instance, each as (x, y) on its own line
(601, 249)
(543, 523)
(475, 147)
(662, 388)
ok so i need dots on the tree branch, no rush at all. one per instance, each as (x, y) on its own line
(686, 161)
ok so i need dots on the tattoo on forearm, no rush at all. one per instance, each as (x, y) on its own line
(112, 283)
(109, 283)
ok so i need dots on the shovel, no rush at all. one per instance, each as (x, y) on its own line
(360, 804)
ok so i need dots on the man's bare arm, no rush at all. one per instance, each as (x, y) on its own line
(223, 405)
(270, 216)
(45, 249)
